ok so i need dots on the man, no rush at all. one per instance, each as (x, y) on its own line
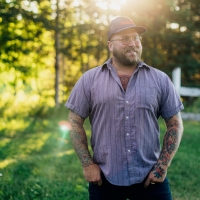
(124, 99)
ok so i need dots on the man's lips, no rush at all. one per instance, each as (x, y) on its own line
(131, 52)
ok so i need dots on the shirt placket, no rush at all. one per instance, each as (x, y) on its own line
(129, 134)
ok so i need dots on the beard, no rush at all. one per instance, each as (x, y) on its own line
(128, 60)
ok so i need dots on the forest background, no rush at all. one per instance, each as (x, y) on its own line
(45, 46)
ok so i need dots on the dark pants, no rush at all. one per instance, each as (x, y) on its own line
(107, 191)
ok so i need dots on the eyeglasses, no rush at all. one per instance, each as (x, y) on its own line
(125, 40)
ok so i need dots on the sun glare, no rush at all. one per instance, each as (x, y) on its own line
(30, 6)
(110, 4)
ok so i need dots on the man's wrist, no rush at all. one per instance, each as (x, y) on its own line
(87, 164)
(159, 170)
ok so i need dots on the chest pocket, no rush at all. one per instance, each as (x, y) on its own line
(146, 98)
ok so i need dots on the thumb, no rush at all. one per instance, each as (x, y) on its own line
(100, 182)
(147, 182)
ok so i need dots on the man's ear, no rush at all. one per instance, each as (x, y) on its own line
(110, 46)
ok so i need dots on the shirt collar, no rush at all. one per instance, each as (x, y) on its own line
(108, 64)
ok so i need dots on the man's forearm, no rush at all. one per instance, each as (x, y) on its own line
(79, 139)
(171, 143)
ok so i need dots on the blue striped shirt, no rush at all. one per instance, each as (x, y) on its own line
(125, 130)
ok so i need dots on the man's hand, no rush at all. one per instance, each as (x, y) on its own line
(171, 143)
(157, 175)
(92, 173)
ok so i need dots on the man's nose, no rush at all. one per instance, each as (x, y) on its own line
(132, 42)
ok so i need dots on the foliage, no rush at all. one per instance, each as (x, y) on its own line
(38, 162)
(192, 104)
(24, 59)
(27, 53)
(36, 157)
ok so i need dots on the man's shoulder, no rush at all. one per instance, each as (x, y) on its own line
(95, 71)
(156, 71)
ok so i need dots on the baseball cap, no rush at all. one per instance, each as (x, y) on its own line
(121, 23)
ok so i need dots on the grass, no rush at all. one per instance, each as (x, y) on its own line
(37, 161)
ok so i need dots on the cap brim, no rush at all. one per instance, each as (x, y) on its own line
(139, 29)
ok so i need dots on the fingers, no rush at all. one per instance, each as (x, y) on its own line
(92, 173)
(151, 179)
(147, 182)
(98, 182)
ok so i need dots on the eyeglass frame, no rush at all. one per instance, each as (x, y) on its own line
(133, 38)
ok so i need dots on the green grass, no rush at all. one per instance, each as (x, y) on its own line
(37, 161)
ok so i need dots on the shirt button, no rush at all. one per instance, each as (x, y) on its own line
(127, 134)
(129, 150)
(127, 102)
(127, 117)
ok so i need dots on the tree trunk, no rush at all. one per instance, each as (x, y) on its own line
(57, 56)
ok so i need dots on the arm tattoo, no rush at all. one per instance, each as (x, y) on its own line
(159, 171)
(171, 142)
(79, 139)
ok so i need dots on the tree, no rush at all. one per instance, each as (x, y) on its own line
(30, 31)
(23, 55)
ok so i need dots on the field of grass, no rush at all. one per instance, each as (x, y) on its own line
(37, 161)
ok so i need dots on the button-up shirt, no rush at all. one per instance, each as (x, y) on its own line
(125, 131)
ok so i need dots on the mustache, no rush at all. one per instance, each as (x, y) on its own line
(131, 49)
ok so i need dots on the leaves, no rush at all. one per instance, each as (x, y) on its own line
(27, 41)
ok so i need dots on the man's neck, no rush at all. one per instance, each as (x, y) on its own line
(123, 70)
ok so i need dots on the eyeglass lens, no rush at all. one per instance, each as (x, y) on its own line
(127, 40)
